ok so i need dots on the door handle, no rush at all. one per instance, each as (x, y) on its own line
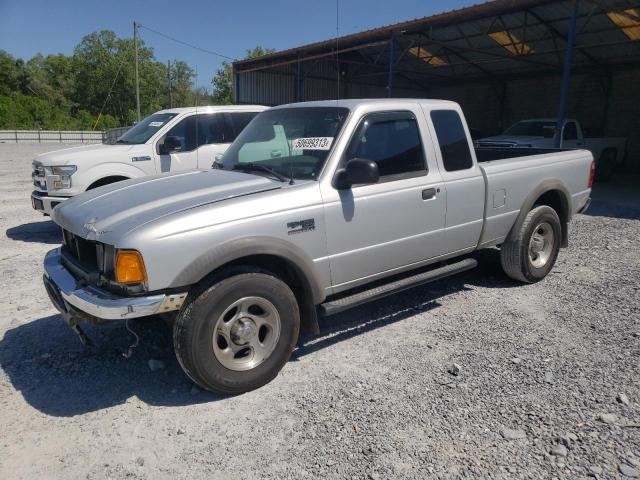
(429, 193)
(276, 153)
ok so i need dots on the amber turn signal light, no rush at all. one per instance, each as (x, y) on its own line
(130, 267)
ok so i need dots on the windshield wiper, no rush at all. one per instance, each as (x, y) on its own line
(255, 166)
(123, 142)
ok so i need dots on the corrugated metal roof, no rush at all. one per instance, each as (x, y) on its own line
(461, 39)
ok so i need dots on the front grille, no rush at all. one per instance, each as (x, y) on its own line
(38, 175)
(84, 252)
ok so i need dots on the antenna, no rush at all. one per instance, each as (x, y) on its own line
(337, 37)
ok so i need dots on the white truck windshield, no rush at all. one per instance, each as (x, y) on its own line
(532, 128)
(145, 129)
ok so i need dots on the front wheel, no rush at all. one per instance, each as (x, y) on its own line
(237, 335)
(530, 255)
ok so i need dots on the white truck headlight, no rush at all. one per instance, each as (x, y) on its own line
(60, 177)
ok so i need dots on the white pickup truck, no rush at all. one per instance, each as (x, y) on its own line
(315, 208)
(167, 141)
(539, 133)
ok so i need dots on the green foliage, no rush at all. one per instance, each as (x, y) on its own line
(94, 86)
(223, 79)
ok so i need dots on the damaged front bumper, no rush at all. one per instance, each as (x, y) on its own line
(79, 302)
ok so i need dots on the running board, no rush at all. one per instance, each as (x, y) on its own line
(341, 304)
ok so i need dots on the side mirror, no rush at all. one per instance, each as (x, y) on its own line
(358, 171)
(170, 144)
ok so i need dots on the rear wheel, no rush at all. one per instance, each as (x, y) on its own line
(530, 255)
(237, 335)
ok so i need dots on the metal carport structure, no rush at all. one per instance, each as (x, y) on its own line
(503, 60)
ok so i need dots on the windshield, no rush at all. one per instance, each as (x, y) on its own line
(146, 128)
(532, 128)
(294, 142)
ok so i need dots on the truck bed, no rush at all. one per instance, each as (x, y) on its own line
(513, 174)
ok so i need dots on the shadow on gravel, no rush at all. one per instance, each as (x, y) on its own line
(39, 232)
(404, 305)
(602, 208)
(45, 361)
(618, 198)
(47, 364)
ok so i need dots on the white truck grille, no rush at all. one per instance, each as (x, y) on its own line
(38, 176)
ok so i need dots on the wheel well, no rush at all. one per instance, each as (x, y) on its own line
(282, 268)
(557, 200)
(107, 181)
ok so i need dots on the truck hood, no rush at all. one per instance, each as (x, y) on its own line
(517, 140)
(71, 156)
(109, 212)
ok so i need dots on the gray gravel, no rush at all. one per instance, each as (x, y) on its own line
(370, 398)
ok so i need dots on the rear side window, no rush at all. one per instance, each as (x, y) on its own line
(392, 140)
(239, 120)
(570, 131)
(452, 139)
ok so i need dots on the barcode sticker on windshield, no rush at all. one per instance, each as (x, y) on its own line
(312, 143)
(156, 124)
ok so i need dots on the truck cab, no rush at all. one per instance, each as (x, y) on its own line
(172, 140)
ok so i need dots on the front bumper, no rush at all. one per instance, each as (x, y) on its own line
(79, 302)
(43, 203)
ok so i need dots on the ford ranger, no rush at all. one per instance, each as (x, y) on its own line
(315, 208)
(167, 141)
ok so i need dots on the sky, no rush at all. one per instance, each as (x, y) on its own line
(231, 27)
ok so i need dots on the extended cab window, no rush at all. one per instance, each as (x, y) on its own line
(392, 140)
(454, 145)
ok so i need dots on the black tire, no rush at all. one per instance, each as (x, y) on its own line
(193, 334)
(514, 253)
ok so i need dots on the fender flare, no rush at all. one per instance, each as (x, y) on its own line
(528, 203)
(227, 252)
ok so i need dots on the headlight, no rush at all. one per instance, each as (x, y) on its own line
(130, 267)
(60, 177)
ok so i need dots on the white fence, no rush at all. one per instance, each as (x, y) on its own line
(51, 136)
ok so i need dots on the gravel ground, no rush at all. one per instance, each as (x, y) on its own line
(547, 383)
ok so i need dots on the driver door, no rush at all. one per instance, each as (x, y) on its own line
(186, 156)
(396, 222)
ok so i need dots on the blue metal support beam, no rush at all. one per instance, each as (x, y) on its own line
(392, 65)
(566, 73)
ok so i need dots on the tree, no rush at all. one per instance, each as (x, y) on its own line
(223, 79)
(95, 84)
(182, 76)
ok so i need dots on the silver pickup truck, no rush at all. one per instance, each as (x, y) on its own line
(315, 208)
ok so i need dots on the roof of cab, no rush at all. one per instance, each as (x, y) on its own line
(215, 108)
(354, 103)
